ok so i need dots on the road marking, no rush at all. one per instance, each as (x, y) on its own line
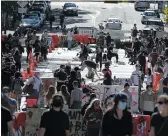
(94, 17)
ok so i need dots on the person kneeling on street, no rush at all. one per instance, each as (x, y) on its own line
(92, 68)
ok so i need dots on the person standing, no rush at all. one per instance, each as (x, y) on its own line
(51, 19)
(117, 121)
(69, 38)
(147, 101)
(108, 40)
(62, 17)
(36, 82)
(136, 76)
(55, 122)
(93, 117)
(76, 96)
(129, 95)
(61, 77)
(99, 56)
(159, 120)
(6, 122)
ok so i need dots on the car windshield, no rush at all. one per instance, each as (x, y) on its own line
(28, 21)
(69, 5)
(149, 14)
(114, 20)
(159, 23)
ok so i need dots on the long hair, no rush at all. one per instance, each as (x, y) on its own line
(50, 92)
(64, 90)
(113, 109)
(91, 105)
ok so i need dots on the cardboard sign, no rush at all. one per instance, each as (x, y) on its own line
(33, 117)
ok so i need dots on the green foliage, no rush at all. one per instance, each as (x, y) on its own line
(9, 7)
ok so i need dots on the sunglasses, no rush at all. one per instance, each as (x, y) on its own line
(160, 103)
(97, 103)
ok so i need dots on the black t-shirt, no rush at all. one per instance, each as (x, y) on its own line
(109, 50)
(156, 122)
(90, 64)
(55, 123)
(61, 75)
(112, 126)
(5, 118)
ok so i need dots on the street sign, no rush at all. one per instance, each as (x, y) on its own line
(22, 4)
(22, 10)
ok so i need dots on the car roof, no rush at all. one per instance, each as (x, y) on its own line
(69, 4)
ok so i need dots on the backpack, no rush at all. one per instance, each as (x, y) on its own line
(18, 86)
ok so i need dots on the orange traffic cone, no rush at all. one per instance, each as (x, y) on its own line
(31, 74)
(32, 67)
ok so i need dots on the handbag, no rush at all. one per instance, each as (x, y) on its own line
(161, 128)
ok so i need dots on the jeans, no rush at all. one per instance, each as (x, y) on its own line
(69, 44)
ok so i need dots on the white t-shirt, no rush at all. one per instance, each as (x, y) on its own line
(165, 70)
(136, 75)
(36, 83)
(69, 35)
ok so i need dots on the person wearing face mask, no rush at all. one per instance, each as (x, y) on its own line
(55, 121)
(93, 117)
(36, 82)
(136, 76)
(117, 121)
(147, 101)
(159, 120)
(8, 102)
(61, 77)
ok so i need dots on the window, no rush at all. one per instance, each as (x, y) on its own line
(149, 14)
(113, 20)
(159, 23)
(69, 5)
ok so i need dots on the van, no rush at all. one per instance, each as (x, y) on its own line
(141, 5)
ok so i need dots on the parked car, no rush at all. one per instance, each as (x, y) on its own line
(147, 15)
(113, 23)
(141, 5)
(155, 23)
(70, 9)
(156, 11)
(40, 5)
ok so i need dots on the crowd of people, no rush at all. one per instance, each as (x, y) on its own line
(114, 119)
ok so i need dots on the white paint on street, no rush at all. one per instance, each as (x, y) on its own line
(94, 17)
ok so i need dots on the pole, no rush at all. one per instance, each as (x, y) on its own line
(22, 25)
